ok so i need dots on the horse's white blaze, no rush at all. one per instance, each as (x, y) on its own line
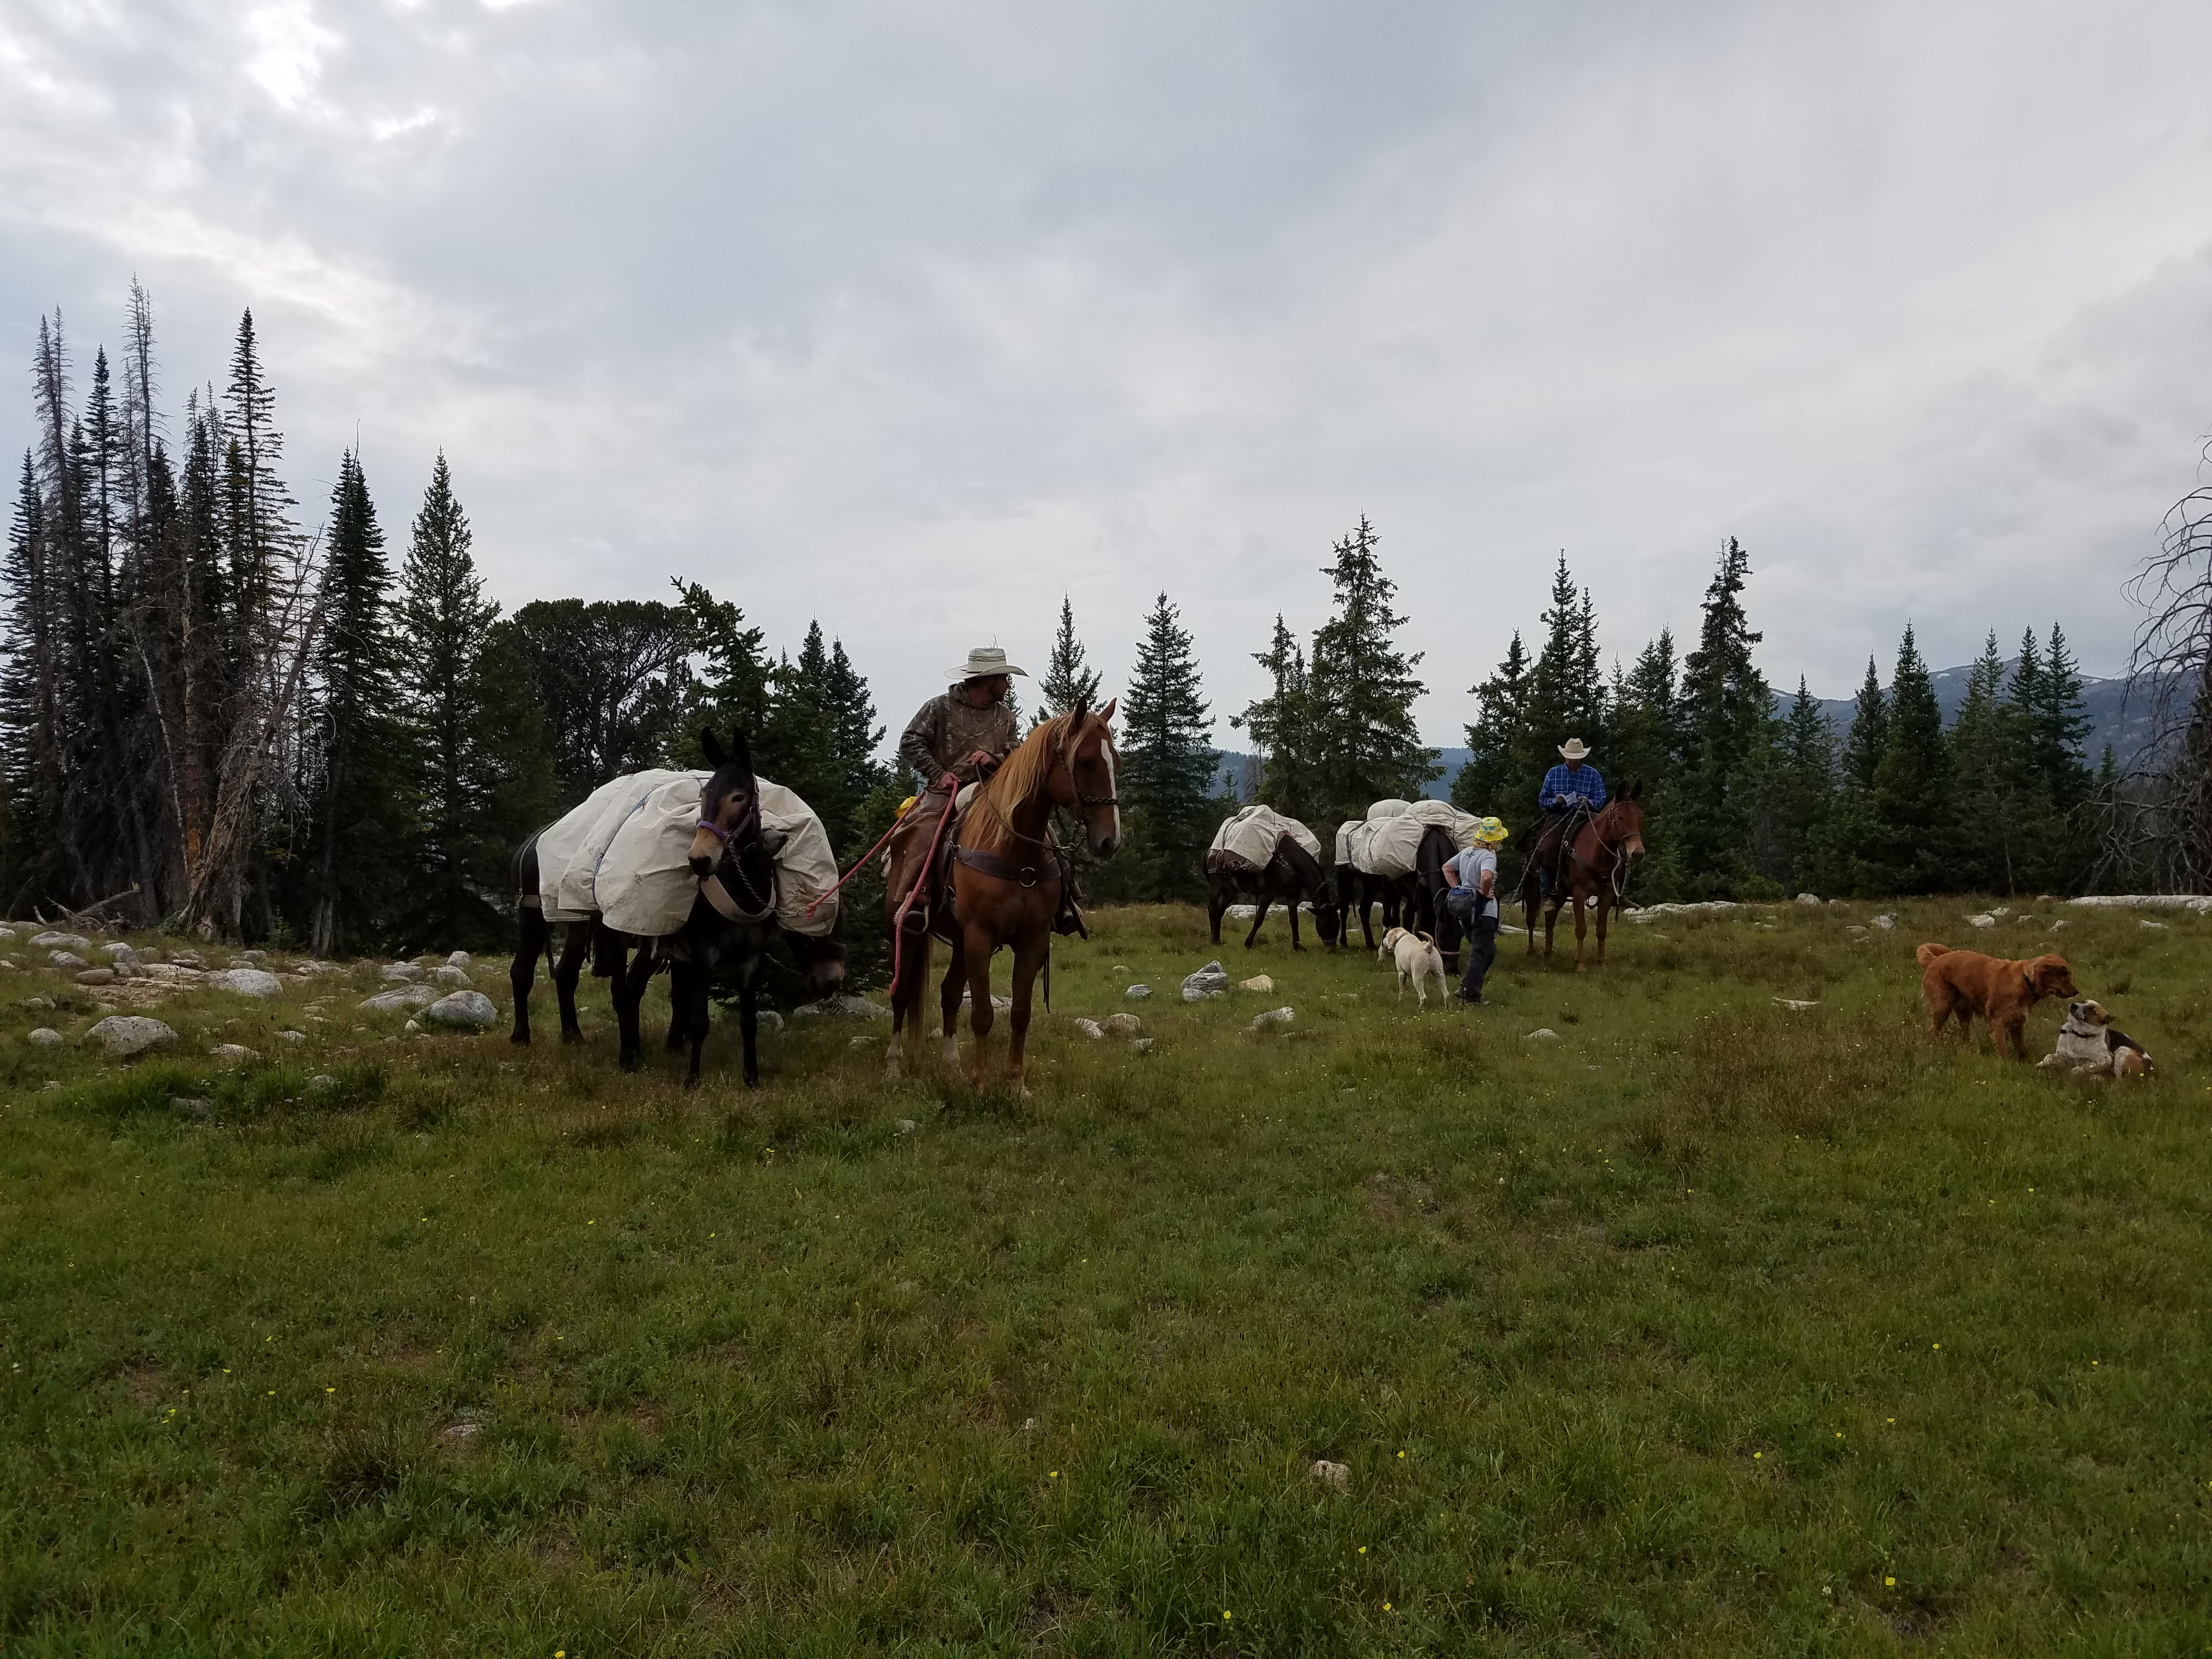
(1112, 793)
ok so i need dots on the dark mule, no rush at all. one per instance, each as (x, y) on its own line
(1005, 882)
(1595, 866)
(727, 936)
(1292, 876)
(1425, 903)
(1358, 893)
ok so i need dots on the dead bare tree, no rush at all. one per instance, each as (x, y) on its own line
(260, 733)
(2162, 818)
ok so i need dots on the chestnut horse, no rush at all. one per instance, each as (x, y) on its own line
(1596, 865)
(1005, 882)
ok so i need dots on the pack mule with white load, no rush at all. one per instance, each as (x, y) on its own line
(1400, 850)
(693, 870)
(1274, 859)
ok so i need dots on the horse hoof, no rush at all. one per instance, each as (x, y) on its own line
(572, 1036)
(520, 1039)
(690, 1082)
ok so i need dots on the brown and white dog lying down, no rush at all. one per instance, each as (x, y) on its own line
(1967, 983)
(2090, 1045)
(1417, 958)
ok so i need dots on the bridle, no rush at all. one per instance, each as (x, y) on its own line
(711, 885)
(1061, 762)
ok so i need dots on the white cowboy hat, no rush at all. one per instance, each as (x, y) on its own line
(1573, 749)
(984, 662)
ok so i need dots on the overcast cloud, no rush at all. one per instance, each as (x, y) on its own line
(911, 317)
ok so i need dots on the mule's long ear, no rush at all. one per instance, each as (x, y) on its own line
(1636, 789)
(710, 746)
(741, 752)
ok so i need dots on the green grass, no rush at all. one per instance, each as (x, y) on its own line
(1711, 1326)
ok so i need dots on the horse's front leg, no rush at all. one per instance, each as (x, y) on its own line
(1604, 909)
(1217, 905)
(956, 981)
(1029, 957)
(748, 1021)
(1259, 917)
(975, 954)
(626, 984)
(522, 972)
(568, 971)
(1294, 946)
(1582, 926)
(1551, 925)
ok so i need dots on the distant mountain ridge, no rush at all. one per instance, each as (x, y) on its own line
(2125, 728)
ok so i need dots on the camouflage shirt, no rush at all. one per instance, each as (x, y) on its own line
(946, 729)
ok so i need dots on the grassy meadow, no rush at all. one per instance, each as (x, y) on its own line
(1711, 1326)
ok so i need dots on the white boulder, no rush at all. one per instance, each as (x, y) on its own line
(462, 1010)
(246, 982)
(125, 1036)
(402, 998)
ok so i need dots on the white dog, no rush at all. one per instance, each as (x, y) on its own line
(1417, 959)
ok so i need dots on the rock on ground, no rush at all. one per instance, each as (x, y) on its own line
(457, 977)
(1886, 921)
(246, 982)
(852, 1006)
(400, 999)
(125, 1036)
(231, 1053)
(1331, 1475)
(1143, 1045)
(1981, 922)
(1542, 1034)
(1810, 899)
(458, 959)
(1273, 1019)
(1260, 983)
(1138, 992)
(1211, 980)
(66, 959)
(1124, 1025)
(96, 976)
(51, 940)
(45, 1036)
(403, 972)
(462, 1010)
(1089, 1028)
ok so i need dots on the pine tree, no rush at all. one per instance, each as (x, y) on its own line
(1912, 846)
(1282, 728)
(359, 812)
(797, 745)
(262, 536)
(856, 737)
(1498, 740)
(1729, 720)
(1066, 681)
(466, 718)
(2000, 813)
(733, 690)
(1367, 746)
(1804, 791)
(37, 860)
(1168, 765)
(1567, 692)
(1869, 734)
(2051, 724)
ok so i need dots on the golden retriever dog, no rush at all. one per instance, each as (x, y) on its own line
(2090, 1045)
(1417, 958)
(1967, 983)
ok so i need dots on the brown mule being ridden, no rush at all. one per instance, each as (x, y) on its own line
(1004, 886)
(1596, 865)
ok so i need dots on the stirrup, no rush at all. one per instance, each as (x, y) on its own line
(1069, 923)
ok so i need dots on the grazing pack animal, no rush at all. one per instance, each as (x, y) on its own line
(1260, 854)
(1002, 884)
(1416, 957)
(1600, 852)
(1966, 983)
(2090, 1045)
(722, 931)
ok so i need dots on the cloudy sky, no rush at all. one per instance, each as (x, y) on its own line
(913, 317)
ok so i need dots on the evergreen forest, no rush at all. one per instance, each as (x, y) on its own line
(218, 718)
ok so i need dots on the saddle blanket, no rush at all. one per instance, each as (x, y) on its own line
(625, 854)
(1253, 835)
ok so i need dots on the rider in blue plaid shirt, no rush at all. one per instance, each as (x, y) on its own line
(1569, 788)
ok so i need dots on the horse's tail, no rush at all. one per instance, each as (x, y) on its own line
(1928, 953)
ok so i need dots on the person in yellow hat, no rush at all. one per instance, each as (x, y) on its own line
(1473, 902)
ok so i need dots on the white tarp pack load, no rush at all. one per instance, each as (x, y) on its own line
(1388, 843)
(1251, 835)
(625, 854)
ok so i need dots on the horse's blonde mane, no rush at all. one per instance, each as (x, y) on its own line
(1022, 775)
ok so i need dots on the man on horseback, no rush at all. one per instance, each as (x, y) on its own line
(953, 741)
(1571, 793)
